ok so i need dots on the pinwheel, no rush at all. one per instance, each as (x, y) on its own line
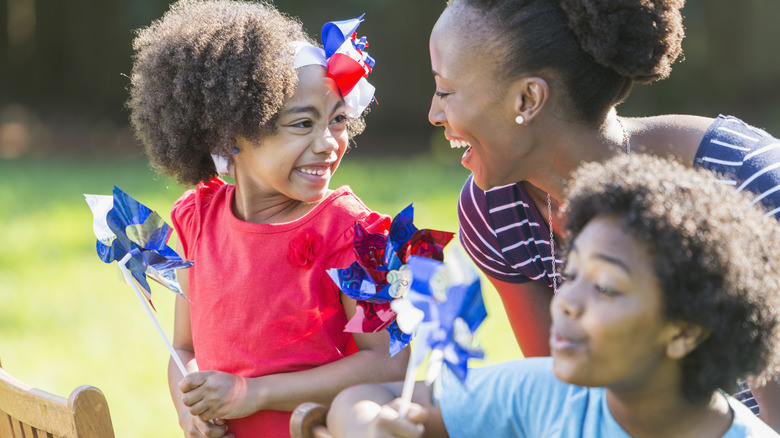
(136, 237)
(443, 309)
(380, 274)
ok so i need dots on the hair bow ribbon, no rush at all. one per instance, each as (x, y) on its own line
(346, 60)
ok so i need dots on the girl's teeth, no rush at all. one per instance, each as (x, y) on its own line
(318, 172)
(459, 144)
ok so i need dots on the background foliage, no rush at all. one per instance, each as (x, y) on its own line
(62, 89)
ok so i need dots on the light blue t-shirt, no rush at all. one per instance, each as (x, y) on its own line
(523, 398)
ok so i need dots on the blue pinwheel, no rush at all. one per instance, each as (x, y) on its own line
(136, 237)
(380, 274)
(129, 232)
(444, 308)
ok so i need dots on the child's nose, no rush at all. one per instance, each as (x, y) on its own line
(325, 143)
(568, 300)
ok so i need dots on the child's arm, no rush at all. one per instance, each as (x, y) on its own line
(368, 411)
(182, 343)
(213, 394)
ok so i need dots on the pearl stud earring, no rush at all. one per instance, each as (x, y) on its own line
(519, 120)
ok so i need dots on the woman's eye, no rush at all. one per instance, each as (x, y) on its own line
(568, 276)
(441, 94)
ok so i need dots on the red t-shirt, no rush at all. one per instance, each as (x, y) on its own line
(261, 301)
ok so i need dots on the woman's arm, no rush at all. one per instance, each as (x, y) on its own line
(527, 307)
(213, 394)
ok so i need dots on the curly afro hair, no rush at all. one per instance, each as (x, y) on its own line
(206, 73)
(599, 47)
(714, 254)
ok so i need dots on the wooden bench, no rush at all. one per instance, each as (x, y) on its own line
(308, 421)
(28, 412)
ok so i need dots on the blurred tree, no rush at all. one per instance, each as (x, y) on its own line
(61, 64)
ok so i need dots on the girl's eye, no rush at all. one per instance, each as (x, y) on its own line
(339, 119)
(441, 94)
(302, 124)
(568, 276)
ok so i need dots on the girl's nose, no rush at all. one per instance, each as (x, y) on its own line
(325, 143)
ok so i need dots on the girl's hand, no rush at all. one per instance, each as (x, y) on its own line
(214, 394)
(194, 427)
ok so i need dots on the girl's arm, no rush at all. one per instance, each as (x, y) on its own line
(182, 343)
(213, 394)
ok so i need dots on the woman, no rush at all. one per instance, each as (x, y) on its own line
(530, 88)
(649, 303)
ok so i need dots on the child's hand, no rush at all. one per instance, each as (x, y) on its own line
(214, 394)
(387, 423)
(194, 427)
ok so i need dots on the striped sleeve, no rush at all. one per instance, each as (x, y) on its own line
(745, 157)
(505, 234)
(478, 238)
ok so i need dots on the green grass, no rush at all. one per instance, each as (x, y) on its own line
(67, 320)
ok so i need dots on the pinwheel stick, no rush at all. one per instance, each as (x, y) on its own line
(129, 280)
(408, 388)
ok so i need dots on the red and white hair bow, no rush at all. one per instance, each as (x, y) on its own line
(346, 60)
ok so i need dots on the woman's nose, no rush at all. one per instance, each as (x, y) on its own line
(436, 113)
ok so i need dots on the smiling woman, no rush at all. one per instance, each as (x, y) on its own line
(667, 301)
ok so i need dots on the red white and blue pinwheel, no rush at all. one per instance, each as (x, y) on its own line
(124, 226)
(380, 274)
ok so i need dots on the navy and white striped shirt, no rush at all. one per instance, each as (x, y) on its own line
(508, 238)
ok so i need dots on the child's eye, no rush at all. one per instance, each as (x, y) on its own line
(607, 291)
(302, 124)
(339, 119)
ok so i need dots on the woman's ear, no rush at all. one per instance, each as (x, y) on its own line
(530, 95)
(685, 338)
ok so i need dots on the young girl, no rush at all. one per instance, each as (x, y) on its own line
(242, 81)
(671, 292)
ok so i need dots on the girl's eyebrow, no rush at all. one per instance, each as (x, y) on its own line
(302, 109)
(338, 105)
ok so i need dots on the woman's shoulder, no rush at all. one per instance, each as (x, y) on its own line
(677, 135)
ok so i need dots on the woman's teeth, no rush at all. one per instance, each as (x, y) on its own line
(459, 144)
(318, 172)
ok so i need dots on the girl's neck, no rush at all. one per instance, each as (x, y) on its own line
(665, 412)
(256, 208)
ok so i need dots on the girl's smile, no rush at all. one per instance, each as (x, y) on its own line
(290, 169)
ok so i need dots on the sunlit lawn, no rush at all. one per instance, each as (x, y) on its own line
(65, 318)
